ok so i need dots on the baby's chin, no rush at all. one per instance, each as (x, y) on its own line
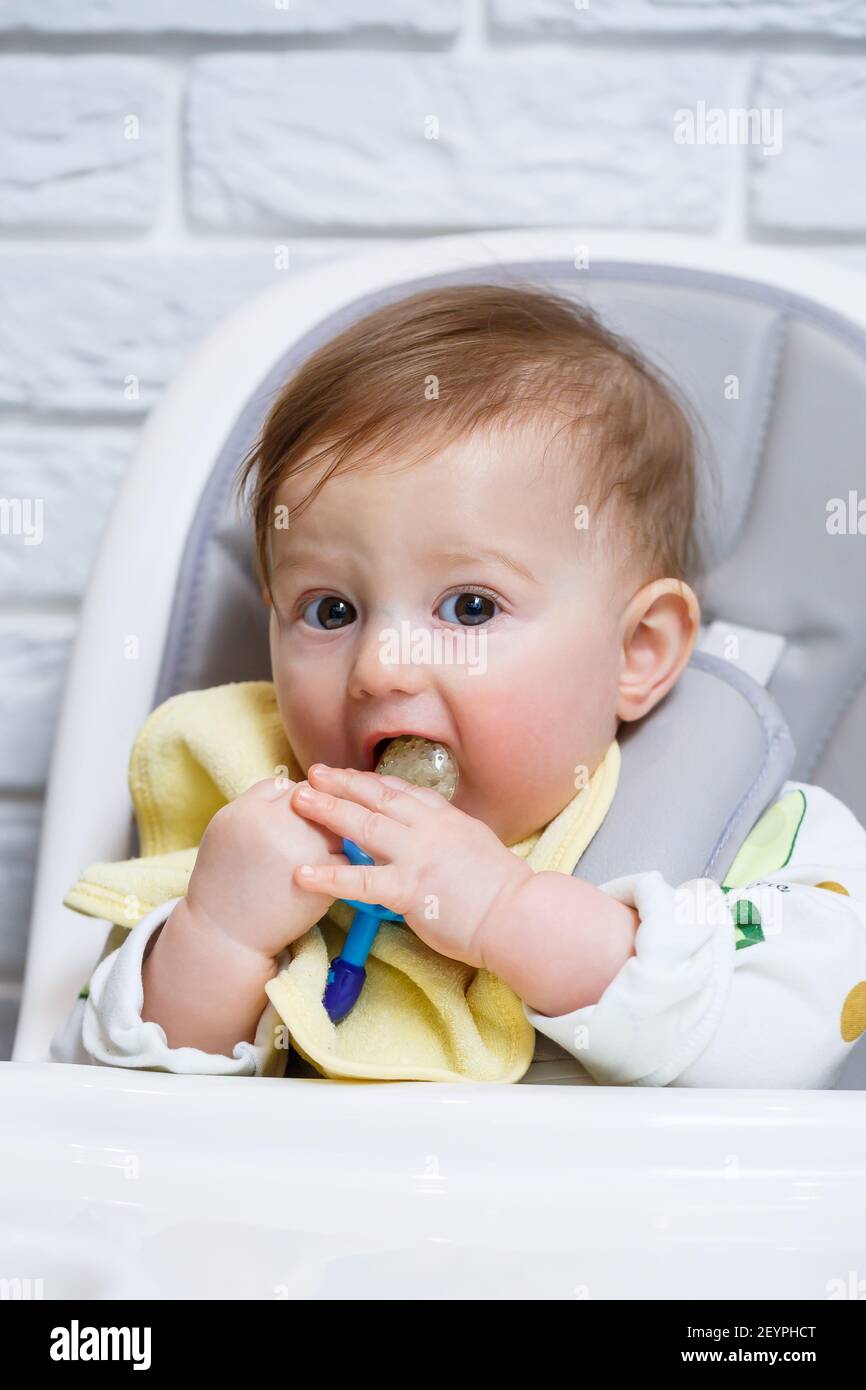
(512, 828)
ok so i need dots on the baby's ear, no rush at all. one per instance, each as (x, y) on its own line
(662, 622)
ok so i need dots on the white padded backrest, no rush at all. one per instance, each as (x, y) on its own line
(780, 386)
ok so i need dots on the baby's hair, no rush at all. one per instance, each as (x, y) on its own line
(437, 365)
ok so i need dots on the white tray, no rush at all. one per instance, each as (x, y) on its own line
(124, 1184)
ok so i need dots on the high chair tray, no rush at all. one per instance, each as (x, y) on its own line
(125, 1184)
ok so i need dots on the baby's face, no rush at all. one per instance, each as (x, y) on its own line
(456, 599)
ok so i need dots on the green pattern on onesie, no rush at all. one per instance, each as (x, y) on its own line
(768, 847)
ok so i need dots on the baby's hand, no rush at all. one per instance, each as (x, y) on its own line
(445, 872)
(242, 882)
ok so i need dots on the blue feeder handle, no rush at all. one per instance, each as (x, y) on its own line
(346, 974)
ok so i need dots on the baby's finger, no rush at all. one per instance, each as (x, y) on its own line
(426, 795)
(377, 834)
(369, 789)
(269, 788)
(365, 883)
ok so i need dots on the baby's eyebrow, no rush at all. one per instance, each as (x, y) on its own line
(292, 559)
(497, 556)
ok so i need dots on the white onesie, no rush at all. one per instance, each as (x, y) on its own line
(762, 985)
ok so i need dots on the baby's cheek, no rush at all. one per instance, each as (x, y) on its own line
(516, 757)
(556, 686)
(534, 729)
(314, 724)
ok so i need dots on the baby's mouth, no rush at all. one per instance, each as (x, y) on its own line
(370, 760)
(423, 761)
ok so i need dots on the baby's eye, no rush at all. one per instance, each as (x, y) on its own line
(470, 607)
(329, 613)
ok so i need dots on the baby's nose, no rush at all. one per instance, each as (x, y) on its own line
(385, 662)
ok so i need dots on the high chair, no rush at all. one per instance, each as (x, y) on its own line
(124, 1183)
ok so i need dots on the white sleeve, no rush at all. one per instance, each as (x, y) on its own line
(762, 985)
(105, 1027)
(663, 1006)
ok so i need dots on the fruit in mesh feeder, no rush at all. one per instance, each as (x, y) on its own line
(422, 762)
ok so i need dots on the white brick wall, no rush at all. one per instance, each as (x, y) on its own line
(151, 155)
(506, 152)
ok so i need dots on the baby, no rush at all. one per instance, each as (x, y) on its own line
(490, 466)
